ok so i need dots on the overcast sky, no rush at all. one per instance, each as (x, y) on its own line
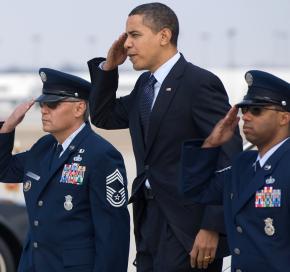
(213, 33)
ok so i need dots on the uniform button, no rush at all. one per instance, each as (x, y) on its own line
(40, 203)
(146, 167)
(238, 270)
(237, 251)
(35, 245)
(239, 229)
(36, 223)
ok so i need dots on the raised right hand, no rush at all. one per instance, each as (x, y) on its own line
(223, 130)
(117, 54)
(16, 117)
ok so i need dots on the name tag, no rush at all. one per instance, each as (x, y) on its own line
(32, 175)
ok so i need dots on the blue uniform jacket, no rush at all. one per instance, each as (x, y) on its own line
(257, 224)
(77, 210)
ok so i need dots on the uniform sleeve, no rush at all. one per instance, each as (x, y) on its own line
(209, 105)
(108, 198)
(106, 110)
(202, 184)
(11, 166)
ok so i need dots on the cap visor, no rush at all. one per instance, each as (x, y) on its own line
(246, 103)
(49, 98)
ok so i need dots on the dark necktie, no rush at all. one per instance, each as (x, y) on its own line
(146, 104)
(55, 157)
(257, 166)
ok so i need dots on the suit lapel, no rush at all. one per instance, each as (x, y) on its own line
(258, 181)
(72, 148)
(166, 93)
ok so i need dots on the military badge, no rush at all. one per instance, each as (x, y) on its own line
(249, 79)
(269, 228)
(27, 186)
(270, 180)
(78, 158)
(43, 76)
(268, 198)
(267, 167)
(73, 173)
(71, 147)
(115, 189)
(68, 205)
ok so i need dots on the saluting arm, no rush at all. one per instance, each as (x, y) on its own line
(12, 166)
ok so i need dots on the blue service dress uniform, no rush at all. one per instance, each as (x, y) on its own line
(256, 203)
(77, 209)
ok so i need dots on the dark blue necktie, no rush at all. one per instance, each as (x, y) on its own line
(146, 104)
(55, 157)
(257, 166)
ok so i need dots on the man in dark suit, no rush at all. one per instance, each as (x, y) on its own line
(170, 103)
(74, 184)
(255, 189)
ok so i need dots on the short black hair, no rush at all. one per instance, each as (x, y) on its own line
(158, 16)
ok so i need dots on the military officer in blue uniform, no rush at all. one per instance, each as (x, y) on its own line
(74, 184)
(255, 189)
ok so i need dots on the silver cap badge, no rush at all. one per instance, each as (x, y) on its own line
(249, 79)
(43, 76)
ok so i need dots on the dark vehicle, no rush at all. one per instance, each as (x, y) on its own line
(13, 228)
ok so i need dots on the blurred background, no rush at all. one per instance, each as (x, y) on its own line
(227, 37)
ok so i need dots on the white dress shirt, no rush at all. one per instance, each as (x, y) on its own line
(269, 153)
(70, 138)
(160, 74)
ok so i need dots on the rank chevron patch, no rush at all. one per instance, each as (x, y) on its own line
(115, 189)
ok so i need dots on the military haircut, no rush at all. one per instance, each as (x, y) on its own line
(158, 16)
(86, 114)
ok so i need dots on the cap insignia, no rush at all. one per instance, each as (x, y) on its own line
(43, 76)
(249, 79)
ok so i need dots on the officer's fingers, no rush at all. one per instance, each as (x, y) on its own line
(193, 256)
(206, 259)
(212, 254)
(200, 259)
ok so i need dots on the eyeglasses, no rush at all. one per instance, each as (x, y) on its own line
(53, 105)
(257, 110)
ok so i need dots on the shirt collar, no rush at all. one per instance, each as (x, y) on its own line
(269, 153)
(162, 72)
(70, 138)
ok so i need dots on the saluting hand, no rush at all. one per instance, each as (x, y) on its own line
(16, 117)
(117, 54)
(223, 130)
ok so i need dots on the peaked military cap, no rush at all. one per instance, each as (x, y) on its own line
(265, 89)
(60, 86)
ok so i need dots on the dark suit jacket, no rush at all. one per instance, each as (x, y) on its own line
(190, 102)
(75, 222)
(256, 244)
